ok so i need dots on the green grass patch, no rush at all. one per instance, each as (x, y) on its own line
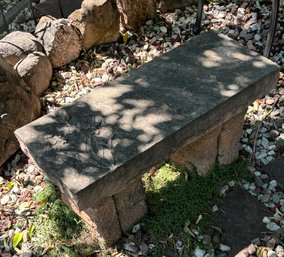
(179, 208)
(57, 230)
(180, 203)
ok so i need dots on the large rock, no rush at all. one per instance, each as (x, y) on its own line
(44, 22)
(18, 106)
(61, 41)
(134, 13)
(18, 45)
(36, 70)
(170, 5)
(98, 22)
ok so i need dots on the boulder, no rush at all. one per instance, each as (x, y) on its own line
(134, 13)
(98, 22)
(18, 106)
(170, 5)
(36, 70)
(61, 41)
(44, 21)
(18, 45)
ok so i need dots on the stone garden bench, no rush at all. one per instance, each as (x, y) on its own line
(187, 105)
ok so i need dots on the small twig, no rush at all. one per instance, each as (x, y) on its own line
(258, 128)
(255, 140)
(221, 210)
(241, 185)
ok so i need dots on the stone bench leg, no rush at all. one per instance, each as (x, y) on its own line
(221, 144)
(130, 204)
(101, 220)
(200, 154)
(229, 139)
(112, 216)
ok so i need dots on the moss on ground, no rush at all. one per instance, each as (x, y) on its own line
(58, 231)
(179, 207)
(180, 203)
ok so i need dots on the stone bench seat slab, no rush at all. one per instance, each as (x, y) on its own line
(97, 145)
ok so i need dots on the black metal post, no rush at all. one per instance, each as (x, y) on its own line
(33, 11)
(60, 8)
(197, 27)
(272, 27)
(4, 19)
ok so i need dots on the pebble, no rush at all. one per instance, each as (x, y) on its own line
(206, 239)
(271, 253)
(258, 181)
(272, 226)
(257, 37)
(277, 197)
(272, 184)
(266, 220)
(144, 249)
(5, 199)
(224, 248)
(223, 190)
(130, 247)
(199, 252)
(163, 29)
(265, 198)
(279, 249)
(26, 254)
(271, 243)
(216, 236)
(251, 249)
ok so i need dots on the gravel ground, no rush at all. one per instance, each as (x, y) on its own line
(263, 136)
(6, 5)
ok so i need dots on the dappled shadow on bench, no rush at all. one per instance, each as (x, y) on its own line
(97, 145)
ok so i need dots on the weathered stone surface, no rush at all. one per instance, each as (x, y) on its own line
(236, 221)
(134, 13)
(170, 5)
(110, 137)
(200, 154)
(276, 170)
(229, 139)
(18, 45)
(101, 219)
(18, 106)
(61, 41)
(130, 204)
(36, 70)
(98, 22)
(44, 22)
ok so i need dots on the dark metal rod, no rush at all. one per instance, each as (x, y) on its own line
(272, 27)
(60, 8)
(197, 27)
(33, 11)
(6, 26)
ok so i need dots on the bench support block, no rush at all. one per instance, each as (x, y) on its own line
(200, 154)
(130, 204)
(220, 144)
(229, 139)
(112, 216)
